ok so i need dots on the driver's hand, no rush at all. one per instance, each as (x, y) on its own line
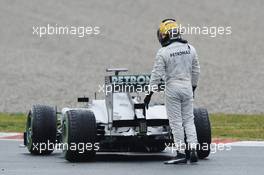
(147, 99)
(193, 89)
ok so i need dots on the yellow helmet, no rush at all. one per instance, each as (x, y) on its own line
(168, 31)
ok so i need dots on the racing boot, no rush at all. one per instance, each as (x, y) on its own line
(193, 156)
(179, 159)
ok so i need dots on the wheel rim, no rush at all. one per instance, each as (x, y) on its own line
(65, 135)
(29, 131)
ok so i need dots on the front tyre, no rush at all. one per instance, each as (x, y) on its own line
(41, 129)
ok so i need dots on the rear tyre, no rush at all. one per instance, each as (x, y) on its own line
(203, 129)
(41, 130)
(79, 134)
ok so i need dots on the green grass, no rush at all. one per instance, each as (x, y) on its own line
(12, 122)
(231, 126)
(235, 126)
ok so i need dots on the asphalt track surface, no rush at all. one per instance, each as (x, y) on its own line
(239, 160)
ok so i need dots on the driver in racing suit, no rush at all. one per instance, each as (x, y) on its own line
(177, 63)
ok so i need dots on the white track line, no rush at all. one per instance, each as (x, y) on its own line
(248, 143)
(8, 134)
(17, 140)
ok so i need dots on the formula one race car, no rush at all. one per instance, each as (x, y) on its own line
(120, 122)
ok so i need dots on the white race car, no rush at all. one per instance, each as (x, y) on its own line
(120, 122)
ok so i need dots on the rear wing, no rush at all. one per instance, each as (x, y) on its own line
(131, 83)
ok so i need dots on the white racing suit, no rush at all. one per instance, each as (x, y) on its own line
(178, 65)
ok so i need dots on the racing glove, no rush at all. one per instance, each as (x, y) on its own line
(147, 99)
(193, 89)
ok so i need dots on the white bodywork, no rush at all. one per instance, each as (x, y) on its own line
(123, 109)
